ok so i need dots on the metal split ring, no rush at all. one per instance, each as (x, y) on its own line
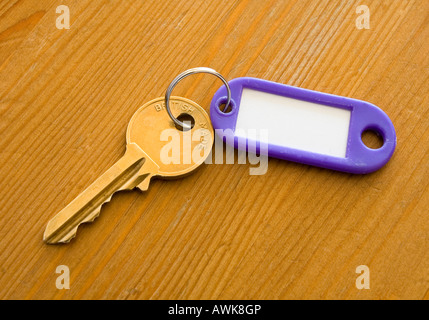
(181, 77)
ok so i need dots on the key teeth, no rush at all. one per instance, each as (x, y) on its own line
(134, 169)
(70, 236)
(144, 185)
(51, 239)
(94, 215)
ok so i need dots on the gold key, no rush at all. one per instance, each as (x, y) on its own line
(143, 159)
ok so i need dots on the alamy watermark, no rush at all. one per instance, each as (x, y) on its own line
(63, 20)
(363, 20)
(63, 280)
(178, 148)
(362, 281)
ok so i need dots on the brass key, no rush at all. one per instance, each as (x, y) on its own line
(143, 160)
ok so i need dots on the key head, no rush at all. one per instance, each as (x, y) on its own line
(175, 151)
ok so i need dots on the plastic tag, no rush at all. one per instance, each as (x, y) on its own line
(304, 126)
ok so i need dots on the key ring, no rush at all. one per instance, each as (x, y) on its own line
(181, 77)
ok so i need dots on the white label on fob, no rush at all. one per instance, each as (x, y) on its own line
(294, 123)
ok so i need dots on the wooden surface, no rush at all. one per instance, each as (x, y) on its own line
(297, 232)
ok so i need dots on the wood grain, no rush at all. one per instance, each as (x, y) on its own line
(297, 232)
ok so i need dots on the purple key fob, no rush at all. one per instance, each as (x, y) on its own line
(304, 126)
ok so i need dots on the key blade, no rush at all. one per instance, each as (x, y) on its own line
(133, 169)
